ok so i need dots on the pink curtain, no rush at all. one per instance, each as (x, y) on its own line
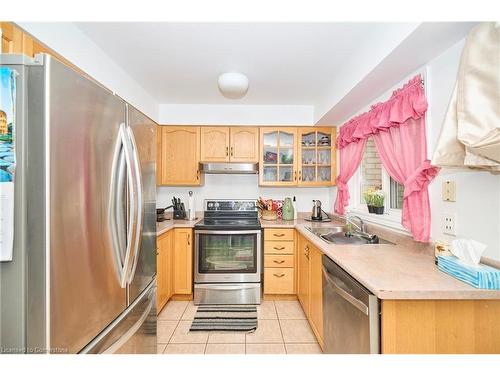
(350, 158)
(398, 130)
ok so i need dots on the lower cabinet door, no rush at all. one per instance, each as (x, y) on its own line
(162, 247)
(316, 293)
(278, 281)
(303, 274)
(183, 261)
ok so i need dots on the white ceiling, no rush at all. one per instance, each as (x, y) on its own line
(286, 63)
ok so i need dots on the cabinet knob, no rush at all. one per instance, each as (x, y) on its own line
(231, 150)
(279, 248)
(279, 261)
(278, 234)
(189, 239)
(278, 274)
(227, 151)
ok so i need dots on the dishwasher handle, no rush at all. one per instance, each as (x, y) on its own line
(335, 283)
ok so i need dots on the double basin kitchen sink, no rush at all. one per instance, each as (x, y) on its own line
(340, 235)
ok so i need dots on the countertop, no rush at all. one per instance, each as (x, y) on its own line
(405, 270)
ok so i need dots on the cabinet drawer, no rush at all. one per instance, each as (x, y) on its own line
(281, 261)
(278, 280)
(278, 234)
(278, 247)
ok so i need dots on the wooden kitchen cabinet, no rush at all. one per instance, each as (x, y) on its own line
(316, 156)
(164, 269)
(278, 156)
(183, 260)
(303, 285)
(215, 144)
(316, 293)
(244, 144)
(223, 144)
(310, 285)
(179, 156)
(440, 326)
(279, 263)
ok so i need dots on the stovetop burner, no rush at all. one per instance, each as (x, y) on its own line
(229, 215)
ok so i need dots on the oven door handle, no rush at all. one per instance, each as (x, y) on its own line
(227, 287)
(202, 231)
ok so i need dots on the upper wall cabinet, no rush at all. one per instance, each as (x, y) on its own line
(278, 159)
(236, 144)
(297, 156)
(179, 156)
(316, 156)
(215, 144)
(244, 144)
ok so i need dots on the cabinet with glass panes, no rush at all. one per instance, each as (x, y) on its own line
(316, 156)
(278, 159)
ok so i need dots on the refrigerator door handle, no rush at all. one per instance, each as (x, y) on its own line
(139, 203)
(132, 205)
(131, 332)
(115, 214)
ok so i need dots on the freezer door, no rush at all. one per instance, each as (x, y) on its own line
(133, 332)
(82, 122)
(142, 135)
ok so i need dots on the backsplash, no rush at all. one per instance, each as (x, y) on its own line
(244, 187)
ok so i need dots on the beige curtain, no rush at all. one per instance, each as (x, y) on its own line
(470, 135)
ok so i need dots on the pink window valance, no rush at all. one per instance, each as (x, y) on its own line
(398, 130)
(408, 102)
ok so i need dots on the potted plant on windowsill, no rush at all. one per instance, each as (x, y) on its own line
(377, 201)
(368, 197)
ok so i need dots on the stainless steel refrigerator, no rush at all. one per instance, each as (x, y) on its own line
(82, 275)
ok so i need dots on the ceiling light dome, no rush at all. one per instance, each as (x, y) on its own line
(233, 85)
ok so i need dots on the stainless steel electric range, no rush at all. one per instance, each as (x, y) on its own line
(228, 256)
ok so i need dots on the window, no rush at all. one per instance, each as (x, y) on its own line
(372, 175)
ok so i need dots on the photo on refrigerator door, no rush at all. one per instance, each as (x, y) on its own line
(7, 99)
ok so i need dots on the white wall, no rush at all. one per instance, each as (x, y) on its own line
(478, 193)
(243, 187)
(234, 114)
(69, 41)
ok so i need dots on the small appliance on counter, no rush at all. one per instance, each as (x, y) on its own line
(317, 213)
(179, 211)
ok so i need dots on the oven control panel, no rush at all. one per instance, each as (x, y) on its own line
(230, 205)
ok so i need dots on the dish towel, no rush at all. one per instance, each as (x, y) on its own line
(480, 276)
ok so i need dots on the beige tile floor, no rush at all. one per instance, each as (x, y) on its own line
(282, 329)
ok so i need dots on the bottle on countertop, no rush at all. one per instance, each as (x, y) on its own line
(294, 203)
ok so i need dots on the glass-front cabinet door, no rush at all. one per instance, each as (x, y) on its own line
(316, 156)
(278, 164)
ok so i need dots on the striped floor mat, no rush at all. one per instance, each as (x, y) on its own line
(225, 318)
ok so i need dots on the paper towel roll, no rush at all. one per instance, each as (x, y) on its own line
(191, 208)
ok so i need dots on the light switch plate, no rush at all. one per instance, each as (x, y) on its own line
(449, 191)
(450, 224)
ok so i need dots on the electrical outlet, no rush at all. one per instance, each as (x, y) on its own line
(449, 191)
(450, 224)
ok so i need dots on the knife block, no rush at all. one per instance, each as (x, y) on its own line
(179, 214)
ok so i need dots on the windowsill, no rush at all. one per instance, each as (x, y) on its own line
(392, 221)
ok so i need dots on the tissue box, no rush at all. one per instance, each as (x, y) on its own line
(480, 276)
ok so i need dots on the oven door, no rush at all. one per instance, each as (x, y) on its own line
(227, 256)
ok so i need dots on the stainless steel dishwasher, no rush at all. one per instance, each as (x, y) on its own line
(351, 319)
